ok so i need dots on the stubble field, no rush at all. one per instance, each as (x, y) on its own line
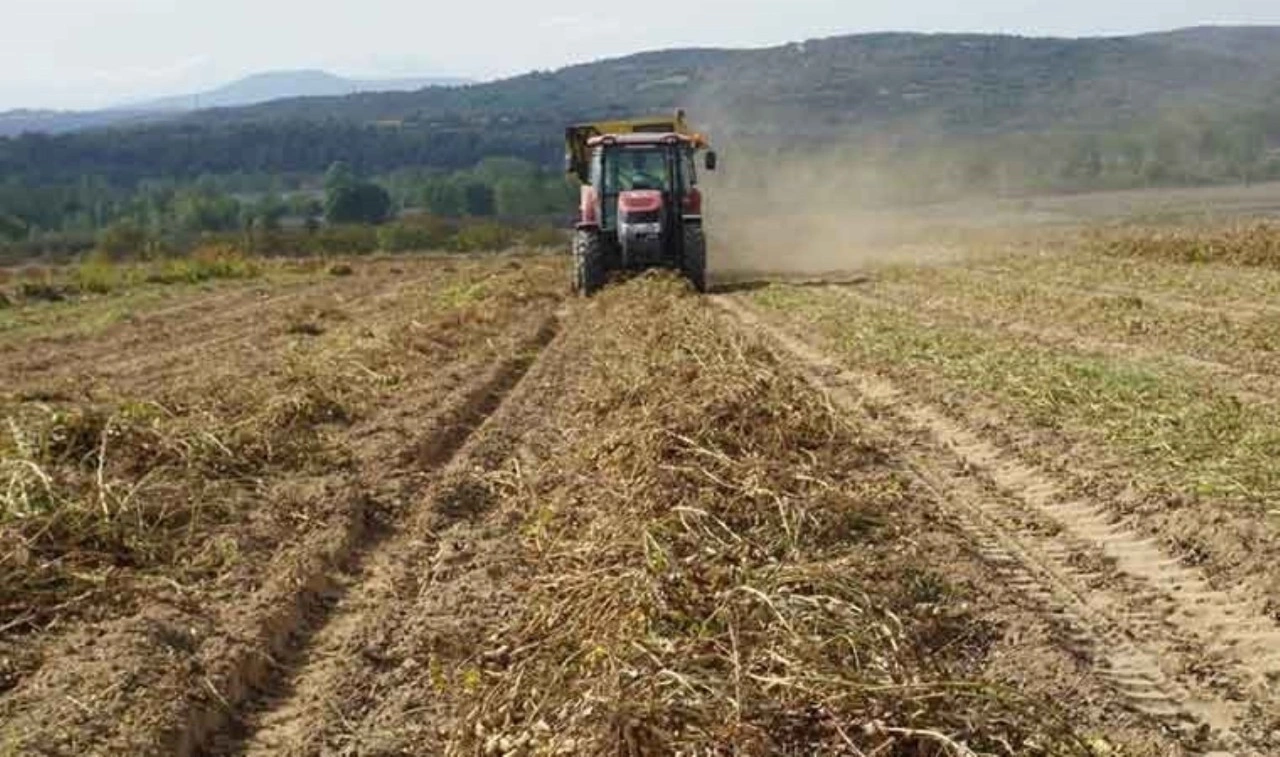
(1019, 500)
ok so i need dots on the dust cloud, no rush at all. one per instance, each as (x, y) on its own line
(835, 211)
(829, 215)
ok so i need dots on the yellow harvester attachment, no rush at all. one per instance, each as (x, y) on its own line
(578, 154)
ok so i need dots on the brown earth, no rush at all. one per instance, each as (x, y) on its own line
(151, 648)
(433, 508)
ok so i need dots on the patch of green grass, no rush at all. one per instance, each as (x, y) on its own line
(1188, 432)
(98, 274)
(462, 294)
(53, 300)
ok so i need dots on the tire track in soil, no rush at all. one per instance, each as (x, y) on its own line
(311, 713)
(1152, 632)
(259, 672)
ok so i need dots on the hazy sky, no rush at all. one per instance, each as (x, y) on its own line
(86, 53)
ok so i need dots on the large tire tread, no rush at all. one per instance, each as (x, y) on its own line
(694, 265)
(589, 269)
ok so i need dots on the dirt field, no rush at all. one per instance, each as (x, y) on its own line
(1117, 401)
(1016, 501)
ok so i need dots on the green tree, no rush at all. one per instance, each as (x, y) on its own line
(206, 210)
(493, 170)
(478, 198)
(304, 205)
(12, 227)
(515, 197)
(267, 213)
(121, 240)
(362, 202)
(443, 196)
(349, 200)
(339, 178)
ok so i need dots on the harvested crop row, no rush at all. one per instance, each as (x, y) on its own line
(192, 496)
(1256, 244)
(219, 326)
(687, 552)
(1218, 285)
(1047, 546)
(64, 315)
(1044, 329)
(1183, 453)
(1249, 343)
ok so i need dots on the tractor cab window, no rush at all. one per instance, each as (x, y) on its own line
(633, 169)
(630, 168)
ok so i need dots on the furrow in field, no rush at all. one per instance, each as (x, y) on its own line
(551, 580)
(295, 714)
(148, 652)
(276, 697)
(1153, 650)
(250, 649)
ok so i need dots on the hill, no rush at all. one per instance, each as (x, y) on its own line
(893, 88)
(278, 85)
(251, 90)
(22, 121)
(965, 82)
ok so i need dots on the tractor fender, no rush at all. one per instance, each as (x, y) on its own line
(588, 207)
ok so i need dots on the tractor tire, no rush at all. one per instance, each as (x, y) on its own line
(588, 262)
(694, 265)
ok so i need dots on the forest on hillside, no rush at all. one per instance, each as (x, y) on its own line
(945, 114)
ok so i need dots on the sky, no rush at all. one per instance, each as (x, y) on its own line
(80, 54)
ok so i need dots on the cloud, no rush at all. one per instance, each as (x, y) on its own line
(146, 77)
(577, 27)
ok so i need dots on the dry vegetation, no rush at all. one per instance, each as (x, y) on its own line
(689, 551)
(170, 457)
(708, 558)
(1140, 364)
(428, 506)
(1244, 244)
(284, 529)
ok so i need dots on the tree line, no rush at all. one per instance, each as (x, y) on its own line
(90, 212)
(126, 157)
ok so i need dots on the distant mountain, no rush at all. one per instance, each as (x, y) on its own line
(251, 90)
(15, 122)
(1216, 89)
(279, 85)
(948, 84)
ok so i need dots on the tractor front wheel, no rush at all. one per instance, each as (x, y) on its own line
(694, 265)
(588, 262)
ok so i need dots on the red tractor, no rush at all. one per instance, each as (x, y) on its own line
(641, 206)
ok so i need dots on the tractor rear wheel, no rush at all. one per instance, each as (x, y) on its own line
(694, 265)
(588, 262)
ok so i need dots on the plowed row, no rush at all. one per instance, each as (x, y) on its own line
(458, 514)
(1123, 414)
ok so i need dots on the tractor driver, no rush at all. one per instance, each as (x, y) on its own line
(643, 169)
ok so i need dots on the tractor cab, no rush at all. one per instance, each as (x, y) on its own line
(640, 204)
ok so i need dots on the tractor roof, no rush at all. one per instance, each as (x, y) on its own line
(647, 138)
